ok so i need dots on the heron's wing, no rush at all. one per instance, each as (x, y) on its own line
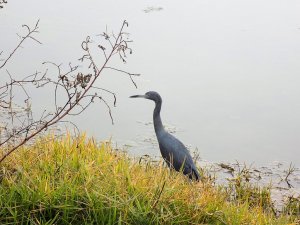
(176, 154)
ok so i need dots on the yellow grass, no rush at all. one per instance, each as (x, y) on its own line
(79, 181)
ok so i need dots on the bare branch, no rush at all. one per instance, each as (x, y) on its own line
(129, 74)
(72, 90)
(29, 34)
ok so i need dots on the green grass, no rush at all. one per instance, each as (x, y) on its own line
(79, 181)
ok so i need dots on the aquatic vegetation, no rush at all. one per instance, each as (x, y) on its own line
(79, 181)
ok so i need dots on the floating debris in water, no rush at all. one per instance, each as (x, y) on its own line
(280, 177)
(152, 9)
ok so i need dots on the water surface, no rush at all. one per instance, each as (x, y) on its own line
(228, 71)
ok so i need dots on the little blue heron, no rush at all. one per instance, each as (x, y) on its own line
(172, 150)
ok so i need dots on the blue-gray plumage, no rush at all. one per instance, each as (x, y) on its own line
(173, 151)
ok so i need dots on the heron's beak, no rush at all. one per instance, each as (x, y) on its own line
(138, 96)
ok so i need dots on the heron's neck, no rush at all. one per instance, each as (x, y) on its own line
(156, 118)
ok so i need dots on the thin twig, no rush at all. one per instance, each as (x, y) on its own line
(28, 35)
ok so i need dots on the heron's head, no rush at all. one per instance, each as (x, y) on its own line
(152, 95)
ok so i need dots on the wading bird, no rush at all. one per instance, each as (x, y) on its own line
(172, 150)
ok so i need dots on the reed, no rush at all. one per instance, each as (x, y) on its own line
(80, 181)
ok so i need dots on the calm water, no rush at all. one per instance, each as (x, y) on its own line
(228, 71)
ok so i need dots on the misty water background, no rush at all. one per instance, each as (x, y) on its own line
(228, 71)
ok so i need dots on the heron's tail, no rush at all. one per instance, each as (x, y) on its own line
(195, 175)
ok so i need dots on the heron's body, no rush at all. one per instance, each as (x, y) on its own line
(172, 150)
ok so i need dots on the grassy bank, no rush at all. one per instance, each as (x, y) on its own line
(79, 181)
